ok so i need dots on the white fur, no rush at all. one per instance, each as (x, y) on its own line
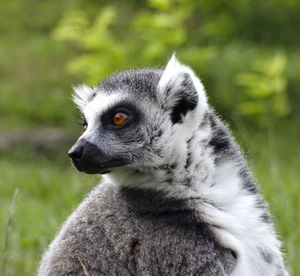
(236, 222)
(82, 95)
(92, 111)
(222, 200)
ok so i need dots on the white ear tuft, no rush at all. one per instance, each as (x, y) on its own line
(172, 70)
(180, 90)
(173, 61)
(171, 75)
(82, 95)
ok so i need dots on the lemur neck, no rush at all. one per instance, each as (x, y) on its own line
(209, 161)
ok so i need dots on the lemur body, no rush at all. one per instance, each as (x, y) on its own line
(178, 198)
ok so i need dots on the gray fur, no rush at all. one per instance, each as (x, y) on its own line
(181, 200)
(123, 231)
(140, 82)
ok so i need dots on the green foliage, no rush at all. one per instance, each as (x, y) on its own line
(105, 52)
(92, 39)
(162, 27)
(266, 89)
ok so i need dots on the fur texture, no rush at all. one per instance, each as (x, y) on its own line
(180, 201)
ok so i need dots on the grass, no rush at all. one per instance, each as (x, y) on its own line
(48, 192)
(7, 231)
(49, 189)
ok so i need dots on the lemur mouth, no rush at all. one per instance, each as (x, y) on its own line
(92, 166)
(105, 172)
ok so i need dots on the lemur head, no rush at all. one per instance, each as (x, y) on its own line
(138, 118)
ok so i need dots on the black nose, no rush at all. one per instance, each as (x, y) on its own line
(76, 152)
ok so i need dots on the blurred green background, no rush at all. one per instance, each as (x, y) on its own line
(245, 51)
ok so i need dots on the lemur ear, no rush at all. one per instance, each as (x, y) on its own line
(82, 95)
(178, 90)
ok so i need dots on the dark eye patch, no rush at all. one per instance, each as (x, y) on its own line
(132, 113)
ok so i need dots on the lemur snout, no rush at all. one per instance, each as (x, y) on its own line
(76, 152)
(89, 158)
(86, 157)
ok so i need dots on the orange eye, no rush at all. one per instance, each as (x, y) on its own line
(84, 127)
(119, 119)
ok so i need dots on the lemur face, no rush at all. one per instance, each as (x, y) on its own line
(137, 118)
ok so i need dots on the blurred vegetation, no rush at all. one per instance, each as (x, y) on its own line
(245, 51)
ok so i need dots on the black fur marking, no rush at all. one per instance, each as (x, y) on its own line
(152, 138)
(159, 152)
(187, 182)
(189, 141)
(168, 168)
(212, 120)
(205, 120)
(173, 166)
(268, 258)
(265, 217)
(248, 183)
(168, 90)
(169, 180)
(233, 253)
(250, 186)
(156, 136)
(261, 204)
(220, 140)
(188, 159)
(224, 147)
(188, 99)
(180, 110)
(169, 172)
(218, 160)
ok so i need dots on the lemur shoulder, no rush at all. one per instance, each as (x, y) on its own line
(176, 197)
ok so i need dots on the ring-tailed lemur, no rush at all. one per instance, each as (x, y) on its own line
(176, 197)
